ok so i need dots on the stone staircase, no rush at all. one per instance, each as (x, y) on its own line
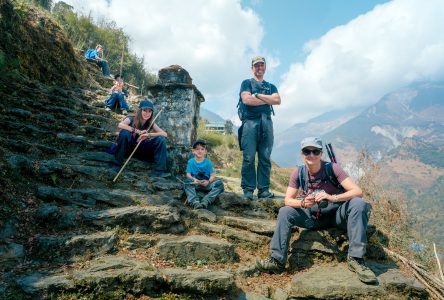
(103, 240)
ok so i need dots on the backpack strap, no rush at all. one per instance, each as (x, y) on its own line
(303, 178)
(331, 175)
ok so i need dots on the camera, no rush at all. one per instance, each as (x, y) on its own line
(324, 202)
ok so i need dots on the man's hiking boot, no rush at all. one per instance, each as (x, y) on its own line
(269, 265)
(265, 194)
(107, 108)
(358, 266)
(124, 112)
(248, 195)
(161, 174)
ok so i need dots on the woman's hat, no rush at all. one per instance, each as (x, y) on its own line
(311, 142)
(146, 104)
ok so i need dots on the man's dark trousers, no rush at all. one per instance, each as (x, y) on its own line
(257, 136)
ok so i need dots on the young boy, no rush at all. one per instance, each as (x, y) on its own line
(117, 95)
(201, 178)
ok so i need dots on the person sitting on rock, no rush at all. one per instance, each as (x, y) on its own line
(97, 55)
(200, 174)
(345, 209)
(117, 96)
(134, 129)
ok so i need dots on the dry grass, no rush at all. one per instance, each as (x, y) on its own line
(390, 212)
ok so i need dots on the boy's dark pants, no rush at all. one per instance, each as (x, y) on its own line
(148, 150)
(213, 189)
(352, 215)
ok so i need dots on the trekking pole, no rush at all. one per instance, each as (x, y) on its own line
(331, 153)
(137, 146)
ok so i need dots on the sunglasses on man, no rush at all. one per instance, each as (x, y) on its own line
(315, 152)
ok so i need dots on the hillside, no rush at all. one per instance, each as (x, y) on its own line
(287, 143)
(69, 232)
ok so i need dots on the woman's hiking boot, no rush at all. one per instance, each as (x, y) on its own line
(269, 265)
(358, 266)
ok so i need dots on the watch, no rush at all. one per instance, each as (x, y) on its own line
(255, 95)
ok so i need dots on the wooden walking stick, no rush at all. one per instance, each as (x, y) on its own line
(137, 146)
(121, 61)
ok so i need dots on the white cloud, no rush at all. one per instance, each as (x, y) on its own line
(213, 40)
(355, 64)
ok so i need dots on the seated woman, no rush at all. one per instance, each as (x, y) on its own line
(134, 129)
(312, 184)
(117, 96)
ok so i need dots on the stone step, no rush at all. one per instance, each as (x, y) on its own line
(89, 198)
(194, 249)
(83, 140)
(74, 247)
(131, 275)
(337, 282)
(236, 235)
(314, 246)
(259, 226)
(11, 254)
(143, 219)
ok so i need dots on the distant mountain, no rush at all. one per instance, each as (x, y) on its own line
(210, 116)
(287, 143)
(414, 112)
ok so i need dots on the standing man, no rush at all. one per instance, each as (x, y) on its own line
(256, 132)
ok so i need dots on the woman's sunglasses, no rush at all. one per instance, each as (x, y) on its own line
(307, 152)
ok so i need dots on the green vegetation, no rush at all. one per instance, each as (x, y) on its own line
(85, 34)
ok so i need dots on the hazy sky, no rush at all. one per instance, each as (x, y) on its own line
(322, 54)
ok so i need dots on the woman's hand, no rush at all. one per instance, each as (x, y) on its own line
(143, 137)
(309, 201)
(323, 195)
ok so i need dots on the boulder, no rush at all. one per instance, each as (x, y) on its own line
(196, 249)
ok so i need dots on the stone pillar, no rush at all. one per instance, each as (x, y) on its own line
(180, 101)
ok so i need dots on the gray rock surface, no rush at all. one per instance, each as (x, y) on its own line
(196, 248)
(337, 282)
(209, 282)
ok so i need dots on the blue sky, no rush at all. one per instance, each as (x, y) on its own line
(289, 24)
(323, 55)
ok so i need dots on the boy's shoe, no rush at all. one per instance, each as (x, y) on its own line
(195, 204)
(269, 265)
(265, 194)
(205, 203)
(358, 266)
(124, 112)
(107, 108)
(248, 195)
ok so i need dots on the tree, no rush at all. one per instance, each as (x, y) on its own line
(229, 127)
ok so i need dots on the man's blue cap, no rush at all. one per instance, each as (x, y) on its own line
(146, 104)
(199, 142)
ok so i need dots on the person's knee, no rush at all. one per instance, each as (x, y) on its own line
(285, 213)
(358, 204)
(124, 135)
(219, 184)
